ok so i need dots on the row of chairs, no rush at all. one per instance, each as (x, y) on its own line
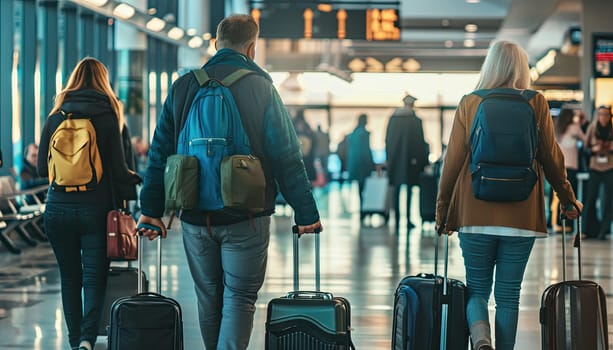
(21, 213)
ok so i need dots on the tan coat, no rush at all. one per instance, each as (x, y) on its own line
(456, 205)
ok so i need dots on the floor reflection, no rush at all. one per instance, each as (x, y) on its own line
(361, 263)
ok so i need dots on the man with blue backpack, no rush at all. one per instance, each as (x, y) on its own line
(228, 122)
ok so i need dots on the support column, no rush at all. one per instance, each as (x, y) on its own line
(71, 48)
(6, 66)
(190, 16)
(48, 56)
(595, 18)
(86, 30)
(101, 42)
(27, 61)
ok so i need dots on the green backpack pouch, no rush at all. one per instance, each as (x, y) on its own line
(243, 184)
(181, 182)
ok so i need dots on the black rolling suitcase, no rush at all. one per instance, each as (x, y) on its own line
(308, 320)
(146, 321)
(573, 314)
(121, 282)
(430, 311)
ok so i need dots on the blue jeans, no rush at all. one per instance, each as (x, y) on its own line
(77, 233)
(228, 267)
(509, 255)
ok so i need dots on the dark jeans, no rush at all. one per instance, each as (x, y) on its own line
(591, 226)
(77, 233)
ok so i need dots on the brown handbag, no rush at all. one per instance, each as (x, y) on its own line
(121, 240)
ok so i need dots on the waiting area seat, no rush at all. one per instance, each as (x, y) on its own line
(21, 213)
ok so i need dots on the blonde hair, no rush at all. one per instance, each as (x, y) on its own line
(506, 65)
(90, 73)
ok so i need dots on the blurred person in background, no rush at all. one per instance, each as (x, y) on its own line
(599, 144)
(306, 136)
(407, 154)
(359, 155)
(570, 137)
(322, 150)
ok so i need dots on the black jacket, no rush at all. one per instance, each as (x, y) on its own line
(96, 106)
(407, 151)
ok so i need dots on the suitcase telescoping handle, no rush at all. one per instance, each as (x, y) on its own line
(444, 306)
(577, 243)
(297, 260)
(141, 240)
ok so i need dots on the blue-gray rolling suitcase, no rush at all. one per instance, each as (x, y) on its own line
(430, 311)
(573, 314)
(308, 320)
(146, 321)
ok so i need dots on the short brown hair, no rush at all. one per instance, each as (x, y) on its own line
(236, 31)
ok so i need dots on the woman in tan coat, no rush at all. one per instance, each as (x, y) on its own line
(498, 234)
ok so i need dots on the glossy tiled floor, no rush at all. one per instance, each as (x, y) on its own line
(363, 264)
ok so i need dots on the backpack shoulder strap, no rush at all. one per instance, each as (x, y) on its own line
(481, 93)
(528, 94)
(201, 76)
(235, 76)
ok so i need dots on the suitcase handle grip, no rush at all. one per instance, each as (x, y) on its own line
(309, 295)
(152, 294)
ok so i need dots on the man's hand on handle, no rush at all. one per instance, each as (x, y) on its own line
(148, 232)
(302, 229)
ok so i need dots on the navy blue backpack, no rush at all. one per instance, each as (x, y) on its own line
(504, 140)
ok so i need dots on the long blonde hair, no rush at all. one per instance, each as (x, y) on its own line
(90, 73)
(506, 65)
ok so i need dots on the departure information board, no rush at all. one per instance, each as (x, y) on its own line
(327, 22)
(603, 55)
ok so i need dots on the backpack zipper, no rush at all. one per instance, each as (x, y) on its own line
(483, 178)
(209, 143)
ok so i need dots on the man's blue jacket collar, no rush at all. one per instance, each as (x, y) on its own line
(235, 58)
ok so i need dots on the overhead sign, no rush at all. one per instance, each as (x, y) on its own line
(325, 22)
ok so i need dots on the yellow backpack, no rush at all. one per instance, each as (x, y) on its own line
(74, 159)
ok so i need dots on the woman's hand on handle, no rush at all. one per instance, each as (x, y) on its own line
(148, 232)
(572, 211)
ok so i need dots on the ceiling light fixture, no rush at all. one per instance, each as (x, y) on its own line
(469, 43)
(191, 31)
(471, 28)
(473, 1)
(445, 23)
(124, 11)
(195, 42)
(176, 33)
(98, 3)
(448, 44)
(155, 24)
(152, 11)
(206, 36)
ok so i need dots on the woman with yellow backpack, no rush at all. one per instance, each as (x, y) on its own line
(81, 153)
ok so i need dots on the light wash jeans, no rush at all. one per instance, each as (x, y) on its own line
(228, 268)
(509, 255)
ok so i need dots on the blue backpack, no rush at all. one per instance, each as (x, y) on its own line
(503, 142)
(213, 133)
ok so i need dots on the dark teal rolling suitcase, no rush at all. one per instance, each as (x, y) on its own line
(308, 320)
